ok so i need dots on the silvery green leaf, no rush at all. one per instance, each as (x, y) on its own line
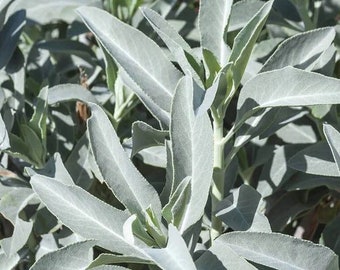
(71, 239)
(174, 210)
(159, 113)
(266, 122)
(301, 50)
(21, 233)
(242, 12)
(241, 211)
(280, 251)
(213, 21)
(4, 4)
(4, 141)
(75, 256)
(220, 257)
(10, 34)
(129, 186)
(8, 263)
(252, 69)
(111, 70)
(325, 64)
(283, 116)
(333, 139)
(169, 175)
(175, 256)
(54, 168)
(85, 214)
(192, 145)
(276, 171)
(220, 88)
(263, 48)
(45, 11)
(154, 156)
(179, 48)
(110, 267)
(47, 244)
(295, 134)
(80, 163)
(144, 136)
(123, 42)
(286, 87)
(245, 41)
(13, 201)
(39, 117)
(315, 159)
(302, 181)
(107, 258)
(11, 204)
(69, 92)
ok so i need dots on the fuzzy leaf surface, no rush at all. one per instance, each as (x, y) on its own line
(85, 214)
(286, 87)
(192, 146)
(146, 65)
(333, 139)
(75, 256)
(213, 20)
(127, 183)
(280, 251)
(301, 50)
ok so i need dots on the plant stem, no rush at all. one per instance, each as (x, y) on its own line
(217, 191)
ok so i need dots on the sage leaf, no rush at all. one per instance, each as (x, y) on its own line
(85, 214)
(333, 139)
(192, 146)
(144, 136)
(316, 159)
(4, 141)
(220, 257)
(69, 92)
(179, 48)
(175, 256)
(75, 256)
(242, 12)
(129, 186)
(280, 251)
(286, 87)
(242, 211)
(8, 262)
(213, 21)
(158, 81)
(245, 41)
(301, 50)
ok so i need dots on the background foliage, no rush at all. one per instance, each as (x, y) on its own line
(169, 134)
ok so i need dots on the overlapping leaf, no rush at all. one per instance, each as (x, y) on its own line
(146, 65)
(213, 21)
(280, 251)
(286, 87)
(301, 50)
(192, 146)
(75, 256)
(86, 215)
(129, 186)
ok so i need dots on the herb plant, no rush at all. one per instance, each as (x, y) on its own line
(207, 140)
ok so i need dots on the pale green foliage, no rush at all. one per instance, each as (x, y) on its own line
(169, 138)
